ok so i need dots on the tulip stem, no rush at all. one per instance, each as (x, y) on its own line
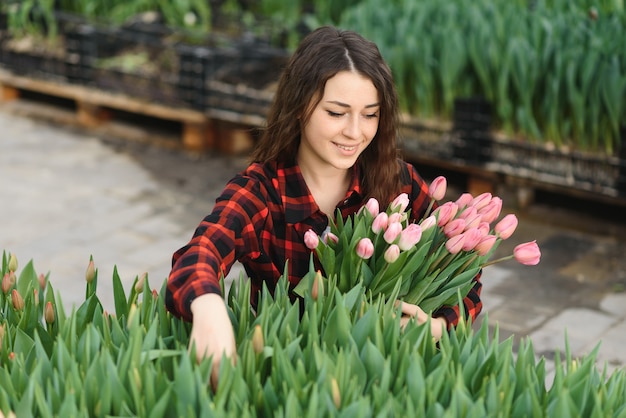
(498, 260)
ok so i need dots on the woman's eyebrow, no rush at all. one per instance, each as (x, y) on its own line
(338, 103)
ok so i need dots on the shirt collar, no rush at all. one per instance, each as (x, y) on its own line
(297, 200)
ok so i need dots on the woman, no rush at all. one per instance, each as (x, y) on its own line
(329, 144)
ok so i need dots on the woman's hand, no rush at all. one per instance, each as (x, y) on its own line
(438, 325)
(212, 332)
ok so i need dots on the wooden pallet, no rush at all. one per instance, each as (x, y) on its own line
(96, 110)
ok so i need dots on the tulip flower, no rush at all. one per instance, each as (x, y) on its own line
(464, 200)
(18, 300)
(258, 342)
(400, 203)
(335, 392)
(90, 274)
(428, 223)
(330, 237)
(365, 248)
(311, 240)
(392, 253)
(455, 244)
(437, 189)
(6, 283)
(140, 282)
(42, 281)
(397, 217)
(318, 286)
(410, 236)
(491, 211)
(505, 228)
(372, 207)
(468, 212)
(393, 231)
(13, 263)
(472, 238)
(49, 313)
(445, 213)
(481, 200)
(473, 221)
(454, 227)
(380, 222)
(485, 245)
(527, 253)
(484, 227)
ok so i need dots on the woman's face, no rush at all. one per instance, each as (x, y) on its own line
(342, 124)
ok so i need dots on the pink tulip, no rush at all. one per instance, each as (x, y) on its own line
(481, 200)
(473, 221)
(507, 225)
(437, 189)
(365, 248)
(428, 222)
(397, 217)
(330, 237)
(393, 230)
(485, 245)
(410, 236)
(380, 222)
(472, 238)
(467, 212)
(372, 207)
(311, 240)
(454, 227)
(400, 203)
(484, 228)
(464, 200)
(445, 212)
(527, 253)
(455, 244)
(392, 253)
(491, 211)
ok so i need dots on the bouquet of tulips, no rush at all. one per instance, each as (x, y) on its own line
(427, 263)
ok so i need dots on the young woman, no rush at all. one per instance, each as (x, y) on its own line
(329, 143)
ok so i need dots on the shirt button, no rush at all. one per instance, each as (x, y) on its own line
(345, 202)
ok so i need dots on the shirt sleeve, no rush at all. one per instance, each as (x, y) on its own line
(217, 242)
(471, 303)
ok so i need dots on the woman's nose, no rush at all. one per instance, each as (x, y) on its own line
(352, 128)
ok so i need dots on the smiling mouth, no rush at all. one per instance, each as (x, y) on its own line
(346, 148)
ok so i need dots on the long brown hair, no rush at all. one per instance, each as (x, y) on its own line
(320, 56)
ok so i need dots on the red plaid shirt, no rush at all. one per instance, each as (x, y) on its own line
(260, 220)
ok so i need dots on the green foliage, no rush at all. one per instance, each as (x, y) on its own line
(339, 355)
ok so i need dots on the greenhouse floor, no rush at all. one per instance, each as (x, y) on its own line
(68, 195)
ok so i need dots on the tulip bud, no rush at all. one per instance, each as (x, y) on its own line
(90, 274)
(365, 248)
(330, 237)
(3, 330)
(12, 356)
(473, 221)
(155, 294)
(42, 281)
(492, 210)
(484, 228)
(6, 283)
(13, 263)
(257, 339)
(396, 217)
(446, 212)
(410, 236)
(428, 223)
(311, 240)
(464, 200)
(380, 222)
(36, 296)
(372, 207)
(392, 253)
(437, 189)
(454, 227)
(335, 392)
(485, 244)
(318, 286)
(527, 253)
(49, 313)
(140, 282)
(393, 231)
(455, 244)
(400, 203)
(472, 238)
(481, 200)
(18, 301)
(505, 228)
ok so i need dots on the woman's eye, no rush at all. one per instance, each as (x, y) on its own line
(372, 116)
(334, 114)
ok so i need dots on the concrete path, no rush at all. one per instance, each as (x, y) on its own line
(66, 196)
